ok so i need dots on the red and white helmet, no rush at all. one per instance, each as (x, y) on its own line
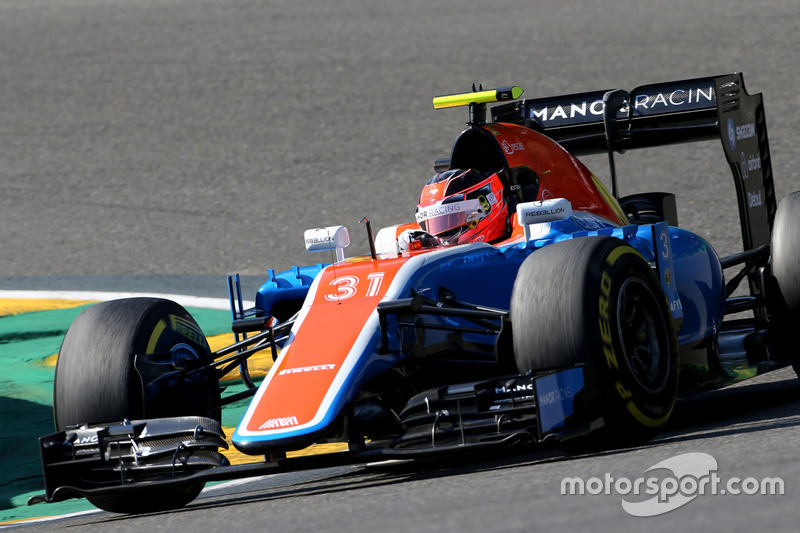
(460, 206)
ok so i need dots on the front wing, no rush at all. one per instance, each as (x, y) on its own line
(457, 419)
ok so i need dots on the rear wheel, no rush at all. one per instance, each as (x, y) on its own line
(785, 248)
(96, 381)
(596, 300)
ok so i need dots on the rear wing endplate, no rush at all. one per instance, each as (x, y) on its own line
(660, 114)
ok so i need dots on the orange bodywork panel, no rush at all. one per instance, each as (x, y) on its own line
(561, 175)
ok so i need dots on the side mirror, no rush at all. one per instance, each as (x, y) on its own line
(529, 213)
(330, 238)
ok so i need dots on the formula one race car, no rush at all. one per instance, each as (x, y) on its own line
(526, 304)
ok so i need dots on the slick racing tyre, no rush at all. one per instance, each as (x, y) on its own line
(96, 382)
(785, 249)
(595, 300)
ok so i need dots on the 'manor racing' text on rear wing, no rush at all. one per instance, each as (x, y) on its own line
(692, 110)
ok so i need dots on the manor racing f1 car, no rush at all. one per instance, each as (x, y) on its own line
(575, 319)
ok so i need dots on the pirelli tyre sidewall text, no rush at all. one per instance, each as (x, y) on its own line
(596, 300)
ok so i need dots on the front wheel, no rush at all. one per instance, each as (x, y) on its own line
(96, 381)
(596, 300)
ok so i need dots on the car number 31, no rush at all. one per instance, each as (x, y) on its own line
(347, 287)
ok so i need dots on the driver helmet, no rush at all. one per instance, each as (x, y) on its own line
(459, 206)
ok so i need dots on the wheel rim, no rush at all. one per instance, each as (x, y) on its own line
(643, 335)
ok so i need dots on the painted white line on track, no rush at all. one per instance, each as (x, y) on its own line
(239, 482)
(182, 299)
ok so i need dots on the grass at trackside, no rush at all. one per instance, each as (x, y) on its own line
(28, 340)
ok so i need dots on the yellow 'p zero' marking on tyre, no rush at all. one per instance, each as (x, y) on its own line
(160, 327)
(644, 419)
(619, 251)
(603, 304)
(605, 323)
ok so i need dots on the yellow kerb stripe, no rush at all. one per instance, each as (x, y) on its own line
(16, 306)
(258, 364)
(238, 458)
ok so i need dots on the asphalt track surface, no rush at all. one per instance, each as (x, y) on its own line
(174, 137)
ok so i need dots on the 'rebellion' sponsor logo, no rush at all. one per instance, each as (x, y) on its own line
(285, 422)
(303, 369)
(318, 240)
(543, 212)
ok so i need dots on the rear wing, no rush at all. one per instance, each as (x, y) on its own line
(660, 114)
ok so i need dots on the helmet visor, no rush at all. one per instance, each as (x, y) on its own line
(442, 217)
